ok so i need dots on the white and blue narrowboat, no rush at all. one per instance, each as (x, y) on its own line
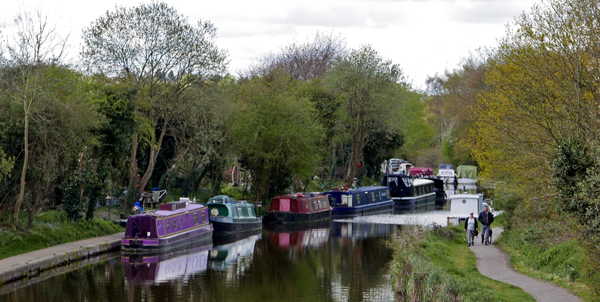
(360, 201)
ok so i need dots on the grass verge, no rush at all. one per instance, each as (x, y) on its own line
(560, 262)
(51, 228)
(437, 265)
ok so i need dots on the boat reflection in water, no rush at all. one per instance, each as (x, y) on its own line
(166, 267)
(234, 250)
(349, 229)
(298, 237)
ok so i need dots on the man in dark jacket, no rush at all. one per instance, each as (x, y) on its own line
(486, 218)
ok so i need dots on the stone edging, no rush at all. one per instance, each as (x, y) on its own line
(34, 267)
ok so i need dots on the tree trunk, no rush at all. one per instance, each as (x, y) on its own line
(358, 144)
(81, 176)
(33, 209)
(132, 160)
(24, 170)
(154, 151)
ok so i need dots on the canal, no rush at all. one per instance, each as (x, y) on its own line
(337, 261)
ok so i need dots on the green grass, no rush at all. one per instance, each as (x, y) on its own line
(437, 265)
(558, 262)
(50, 228)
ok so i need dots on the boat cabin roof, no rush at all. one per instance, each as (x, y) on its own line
(190, 207)
(464, 196)
(446, 167)
(422, 182)
(367, 189)
(222, 199)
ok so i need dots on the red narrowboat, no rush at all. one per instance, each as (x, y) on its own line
(298, 208)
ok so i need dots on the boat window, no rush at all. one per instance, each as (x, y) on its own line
(180, 224)
(357, 198)
(174, 224)
(203, 216)
(196, 218)
(168, 226)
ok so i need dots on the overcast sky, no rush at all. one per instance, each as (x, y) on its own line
(424, 37)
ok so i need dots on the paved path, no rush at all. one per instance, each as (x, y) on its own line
(30, 264)
(494, 263)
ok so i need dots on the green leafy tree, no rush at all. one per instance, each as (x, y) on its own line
(35, 79)
(366, 83)
(275, 132)
(157, 49)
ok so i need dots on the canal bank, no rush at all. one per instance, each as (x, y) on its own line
(31, 264)
(436, 265)
(494, 263)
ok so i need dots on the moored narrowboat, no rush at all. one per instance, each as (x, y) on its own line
(361, 201)
(173, 225)
(298, 208)
(410, 194)
(231, 217)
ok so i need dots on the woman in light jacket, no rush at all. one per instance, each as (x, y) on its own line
(471, 226)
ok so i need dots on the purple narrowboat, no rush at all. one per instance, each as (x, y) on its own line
(173, 225)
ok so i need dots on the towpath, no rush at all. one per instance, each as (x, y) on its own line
(494, 263)
(30, 264)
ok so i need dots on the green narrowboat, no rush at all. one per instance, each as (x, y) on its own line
(231, 217)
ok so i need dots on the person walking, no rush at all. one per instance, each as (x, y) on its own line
(486, 218)
(471, 227)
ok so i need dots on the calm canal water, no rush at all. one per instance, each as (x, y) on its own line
(338, 261)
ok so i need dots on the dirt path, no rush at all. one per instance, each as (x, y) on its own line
(494, 263)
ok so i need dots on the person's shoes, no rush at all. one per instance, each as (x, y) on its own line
(486, 243)
(468, 244)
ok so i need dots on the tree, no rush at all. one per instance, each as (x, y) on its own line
(536, 131)
(275, 132)
(156, 48)
(33, 53)
(453, 96)
(366, 83)
(303, 61)
(542, 89)
(201, 134)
